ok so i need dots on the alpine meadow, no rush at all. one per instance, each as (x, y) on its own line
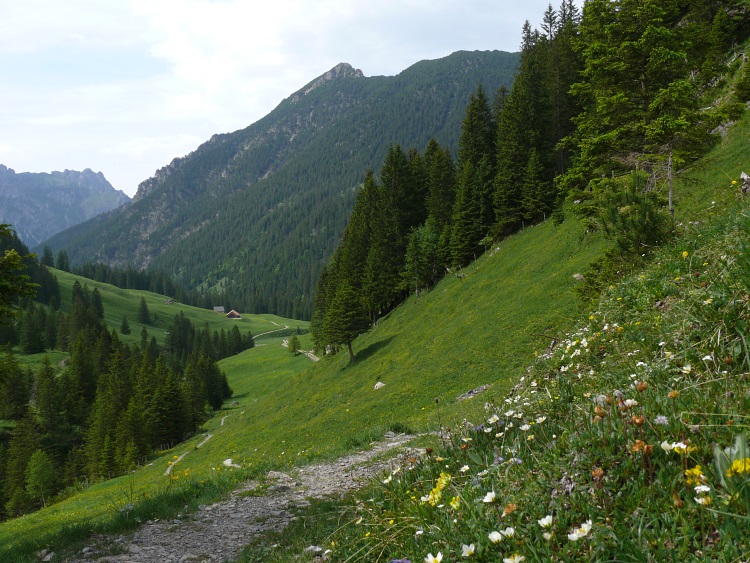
(494, 308)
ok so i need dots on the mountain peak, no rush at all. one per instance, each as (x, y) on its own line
(341, 70)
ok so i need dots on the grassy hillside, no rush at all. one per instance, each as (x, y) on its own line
(481, 330)
(465, 333)
(626, 442)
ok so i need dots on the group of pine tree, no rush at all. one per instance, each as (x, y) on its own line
(110, 405)
(605, 105)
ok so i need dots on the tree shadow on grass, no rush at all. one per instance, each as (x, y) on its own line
(373, 348)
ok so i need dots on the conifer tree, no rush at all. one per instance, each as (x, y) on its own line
(62, 262)
(346, 318)
(124, 326)
(144, 316)
(47, 259)
(96, 303)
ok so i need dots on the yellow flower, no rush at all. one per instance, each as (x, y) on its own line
(693, 476)
(455, 503)
(684, 253)
(739, 466)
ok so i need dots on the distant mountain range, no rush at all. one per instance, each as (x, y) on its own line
(257, 212)
(40, 205)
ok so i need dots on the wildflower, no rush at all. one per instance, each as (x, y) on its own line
(496, 537)
(638, 446)
(661, 420)
(694, 476)
(681, 448)
(684, 253)
(515, 558)
(638, 420)
(467, 550)
(739, 466)
(508, 532)
(630, 403)
(581, 532)
(464, 469)
(433, 558)
(641, 386)
(547, 536)
(673, 394)
(702, 489)
(455, 503)
(545, 522)
(525, 427)
(708, 301)
(489, 497)
(541, 419)
(510, 508)
(703, 501)
(387, 479)
(600, 411)
(493, 419)
(687, 369)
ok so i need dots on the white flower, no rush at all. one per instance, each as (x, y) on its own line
(581, 532)
(541, 419)
(666, 446)
(493, 419)
(687, 369)
(509, 413)
(661, 420)
(387, 479)
(433, 558)
(525, 427)
(487, 429)
(631, 403)
(464, 469)
(496, 537)
(419, 532)
(703, 501)
(489, 497)
(546, 522)
(702, 489)
(467, 550)
(547, 536)
(707, 358)
(508, 532)
(515, 558)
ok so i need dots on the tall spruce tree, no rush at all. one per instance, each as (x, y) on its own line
(346, 318)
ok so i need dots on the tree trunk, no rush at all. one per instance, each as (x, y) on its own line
(351, 352)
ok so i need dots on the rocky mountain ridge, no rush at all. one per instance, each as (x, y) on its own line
(41, 204)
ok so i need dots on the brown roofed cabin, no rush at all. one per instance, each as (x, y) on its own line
(233, 315)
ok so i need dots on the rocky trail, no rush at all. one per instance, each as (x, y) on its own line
(219, 531)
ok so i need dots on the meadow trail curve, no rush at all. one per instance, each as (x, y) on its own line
(218, 532)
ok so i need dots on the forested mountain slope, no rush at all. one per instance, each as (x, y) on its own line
(257, 212)
(40, 205)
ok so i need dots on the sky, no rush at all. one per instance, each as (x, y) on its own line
(124, 86)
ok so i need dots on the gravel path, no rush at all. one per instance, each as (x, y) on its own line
(219, 531)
